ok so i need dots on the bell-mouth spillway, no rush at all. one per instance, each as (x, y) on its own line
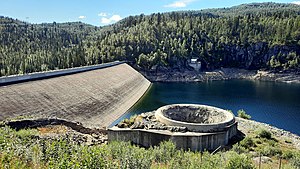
(199, 118)
(190, 126)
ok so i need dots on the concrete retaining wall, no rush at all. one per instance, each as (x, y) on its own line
(54, 73)
(186, 141)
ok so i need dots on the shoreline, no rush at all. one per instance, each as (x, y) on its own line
(222, 74)
(248, 126)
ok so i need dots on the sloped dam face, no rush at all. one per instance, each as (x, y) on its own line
(93, 98)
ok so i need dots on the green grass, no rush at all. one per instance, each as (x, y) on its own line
(23, 149)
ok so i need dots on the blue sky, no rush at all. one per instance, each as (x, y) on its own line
(103, 12)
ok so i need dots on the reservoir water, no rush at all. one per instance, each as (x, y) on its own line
(274, 103)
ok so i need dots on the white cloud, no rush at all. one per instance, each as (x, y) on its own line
(82, 17)
(103, 14)
(179, 4)
(296, 2)
(114, 18)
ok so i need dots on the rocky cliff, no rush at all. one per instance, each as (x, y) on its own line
(259, 55)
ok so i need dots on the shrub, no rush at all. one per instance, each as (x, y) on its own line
(271, 151)
(295, 161)
(247, 142)
(239, 149)
(25, 133)
(238, 161)
(229, 111)
(17, 151)
(288, 154)
(164, 152)
(129, 122)
(243, 114)
(258, 141)
(212, 161)
(132, 119)
(264, 134)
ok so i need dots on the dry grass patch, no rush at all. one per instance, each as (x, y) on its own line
(53, 129)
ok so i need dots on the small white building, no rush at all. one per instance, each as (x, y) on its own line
(195, 63)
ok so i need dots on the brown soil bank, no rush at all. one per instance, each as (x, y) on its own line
(94, 98)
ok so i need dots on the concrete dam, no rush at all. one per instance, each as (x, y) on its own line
(93, 97)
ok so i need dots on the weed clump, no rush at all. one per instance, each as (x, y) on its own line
(264, 134)
(243, 114)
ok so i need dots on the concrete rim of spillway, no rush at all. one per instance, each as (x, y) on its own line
(221, 125)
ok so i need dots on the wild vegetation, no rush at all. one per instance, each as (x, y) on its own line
(241, 113)
(25, 149)
(251, 36)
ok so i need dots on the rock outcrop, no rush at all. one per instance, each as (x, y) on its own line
(222, 74)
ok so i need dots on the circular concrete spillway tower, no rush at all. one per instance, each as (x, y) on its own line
(208, 127)
(197, 118)
(189, 126)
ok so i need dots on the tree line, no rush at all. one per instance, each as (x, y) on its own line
(251, 36)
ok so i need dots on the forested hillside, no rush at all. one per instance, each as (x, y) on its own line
(29, 47)
(250, 36)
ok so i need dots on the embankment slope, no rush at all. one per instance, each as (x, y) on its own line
(94, 98)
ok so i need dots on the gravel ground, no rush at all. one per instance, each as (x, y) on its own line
(247, 126)
(61, 131)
